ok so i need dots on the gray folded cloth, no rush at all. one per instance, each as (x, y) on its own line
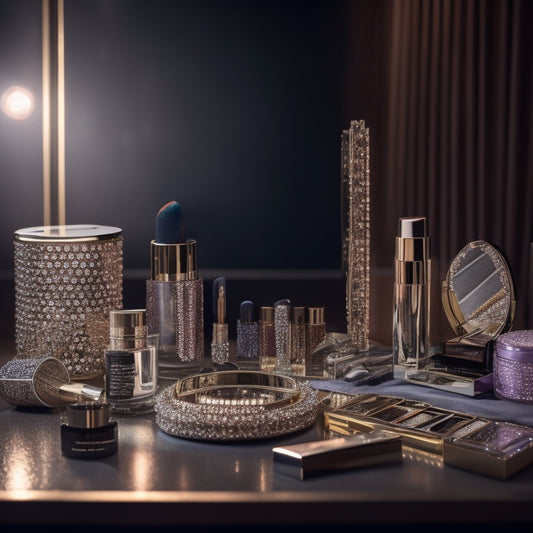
(485, 405)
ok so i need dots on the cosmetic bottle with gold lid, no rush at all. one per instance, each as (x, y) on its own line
(131, 363)
(88, 432)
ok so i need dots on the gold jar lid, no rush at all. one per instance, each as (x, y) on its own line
(127, 323)
(70, 233)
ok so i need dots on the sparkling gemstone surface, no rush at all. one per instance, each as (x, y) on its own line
(355, 179)
(63, 294)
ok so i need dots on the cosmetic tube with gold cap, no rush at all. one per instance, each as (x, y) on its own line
(412, 269)
(220, 343)
(175, 297)
(316, 332)
(267, 339)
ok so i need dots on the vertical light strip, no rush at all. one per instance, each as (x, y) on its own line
(46, 78)
(53, 65)
(61, 112)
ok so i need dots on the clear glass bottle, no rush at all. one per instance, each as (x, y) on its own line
(175, 309)
(131, 363)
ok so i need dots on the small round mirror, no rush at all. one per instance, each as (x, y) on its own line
(478, 293)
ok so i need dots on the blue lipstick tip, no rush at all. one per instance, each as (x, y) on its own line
(246, 313)
(169, 226)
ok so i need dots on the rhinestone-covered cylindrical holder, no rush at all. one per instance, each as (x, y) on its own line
(513, 366)
(355, 179)
(67, 280)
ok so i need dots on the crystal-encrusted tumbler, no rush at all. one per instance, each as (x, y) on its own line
(67, 280)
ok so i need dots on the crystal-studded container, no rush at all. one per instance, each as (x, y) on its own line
(67, 280)
(513, 366)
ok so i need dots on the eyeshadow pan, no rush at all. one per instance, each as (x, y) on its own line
(423, 419)
(371, 404)
(448, 424)
(469, 428)
(395, 412)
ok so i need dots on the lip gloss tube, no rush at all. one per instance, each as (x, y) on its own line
(412, 270)
(220, 343)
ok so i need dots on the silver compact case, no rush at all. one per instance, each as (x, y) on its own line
(478, 298)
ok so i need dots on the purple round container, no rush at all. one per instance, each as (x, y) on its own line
(513, 366)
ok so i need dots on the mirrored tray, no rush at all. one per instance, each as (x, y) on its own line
(236, 405)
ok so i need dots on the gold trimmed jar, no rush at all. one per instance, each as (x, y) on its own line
(67, 280)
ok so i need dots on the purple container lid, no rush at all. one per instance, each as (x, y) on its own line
(516, 345)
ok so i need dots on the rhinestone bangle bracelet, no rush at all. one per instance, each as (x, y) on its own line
(236, 405)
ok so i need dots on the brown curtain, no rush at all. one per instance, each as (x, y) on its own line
(460, 128)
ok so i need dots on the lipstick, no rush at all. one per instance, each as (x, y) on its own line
(174, 296)
(412, 270)
(220, 343)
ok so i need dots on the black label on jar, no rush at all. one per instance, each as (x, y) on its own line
(119, 374)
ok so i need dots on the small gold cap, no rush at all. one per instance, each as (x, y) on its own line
(266, 314)
(174, 262)
(127, 323)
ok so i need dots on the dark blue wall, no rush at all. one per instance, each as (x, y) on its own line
(232, 108)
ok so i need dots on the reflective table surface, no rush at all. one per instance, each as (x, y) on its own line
(157, 479)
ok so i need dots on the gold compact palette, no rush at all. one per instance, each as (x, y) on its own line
(496, 449)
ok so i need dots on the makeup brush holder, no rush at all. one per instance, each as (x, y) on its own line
(67, 280)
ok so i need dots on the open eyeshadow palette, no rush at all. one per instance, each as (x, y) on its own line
(493, 448)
